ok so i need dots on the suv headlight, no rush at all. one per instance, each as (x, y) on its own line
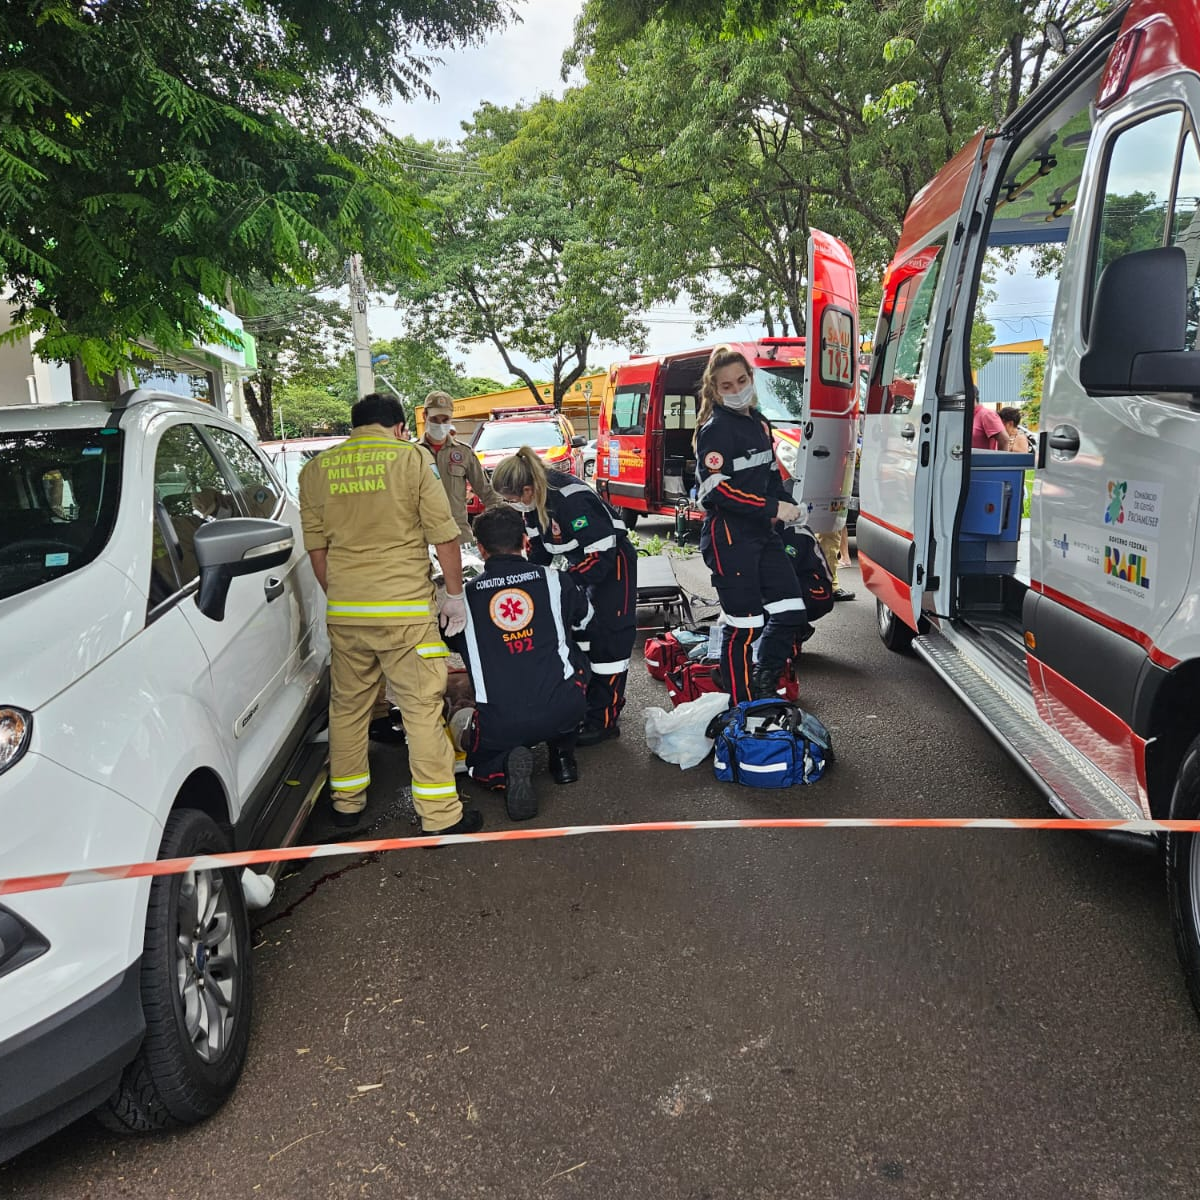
(785, 453)
(15, 727)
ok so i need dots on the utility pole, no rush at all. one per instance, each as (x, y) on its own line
(363, 370)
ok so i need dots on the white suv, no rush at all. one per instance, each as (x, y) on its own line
(163, 677)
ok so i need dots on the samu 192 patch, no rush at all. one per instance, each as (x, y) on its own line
(713, 461)
(579, 523)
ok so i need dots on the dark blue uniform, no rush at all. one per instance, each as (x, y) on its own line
(739, 485)
(529, 675)
(592, 538)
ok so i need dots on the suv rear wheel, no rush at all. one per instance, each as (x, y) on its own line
(1182, 853)
(196, 990)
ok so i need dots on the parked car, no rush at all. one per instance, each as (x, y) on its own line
(540, 428)
(165, 672)
(589, 460)
(288, 458)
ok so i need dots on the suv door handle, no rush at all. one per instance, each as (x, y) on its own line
(1065, 439)
(908, 431)
(273, 588)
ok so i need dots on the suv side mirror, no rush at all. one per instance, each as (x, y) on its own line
(578, 440)
(236, 546)
(1139, 327)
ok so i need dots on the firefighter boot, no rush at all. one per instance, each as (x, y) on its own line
(563, 767)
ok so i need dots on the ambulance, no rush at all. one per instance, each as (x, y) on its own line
(644, 457)
(1073, 634)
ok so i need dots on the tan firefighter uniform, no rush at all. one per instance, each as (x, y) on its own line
(458, 466)
(376, 505)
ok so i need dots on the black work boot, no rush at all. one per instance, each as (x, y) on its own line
(471, 821)
(764, 683)
(592, 735)
(518, 785)
(563, 767)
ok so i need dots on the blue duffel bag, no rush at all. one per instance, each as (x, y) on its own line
(769, 744)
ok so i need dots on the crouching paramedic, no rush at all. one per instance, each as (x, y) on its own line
(370, 508)
(565, 516)
(742, 492)
(530, 678)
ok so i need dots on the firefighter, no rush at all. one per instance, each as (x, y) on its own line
(530, 678)
(742, 492)
(565, 516)
(370, 509)
(455, 460)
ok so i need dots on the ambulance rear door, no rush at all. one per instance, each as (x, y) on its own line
(824, 474)
(622, 453)
(913, 435)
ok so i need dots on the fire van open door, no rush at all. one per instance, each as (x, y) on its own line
(824, 473)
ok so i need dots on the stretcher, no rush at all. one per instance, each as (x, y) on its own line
(658, 590)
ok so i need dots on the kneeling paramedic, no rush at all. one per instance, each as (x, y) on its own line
(370, 508)
(530, 678)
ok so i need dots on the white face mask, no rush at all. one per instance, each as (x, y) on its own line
(521, 506)
(437, 431)
(739, 400)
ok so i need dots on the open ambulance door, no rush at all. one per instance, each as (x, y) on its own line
(623, 450)
(823, 478)
(917, 429)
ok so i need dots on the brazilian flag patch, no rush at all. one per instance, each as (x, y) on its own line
(579, 523)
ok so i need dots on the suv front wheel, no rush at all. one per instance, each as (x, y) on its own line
(196, 990)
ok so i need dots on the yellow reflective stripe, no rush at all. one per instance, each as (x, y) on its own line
(433, 650)
(351, 781)
(434, 791)
(348, 608)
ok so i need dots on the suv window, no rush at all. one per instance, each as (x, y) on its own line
(58, 500)
(191, 490)
(1151, 199)
(259, 493)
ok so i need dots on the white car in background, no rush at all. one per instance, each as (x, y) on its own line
(163, 682)
(589, 460)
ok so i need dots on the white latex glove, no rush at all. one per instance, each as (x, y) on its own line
(452, 614)
(789, 514)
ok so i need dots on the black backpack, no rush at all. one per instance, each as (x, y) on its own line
(811, 567)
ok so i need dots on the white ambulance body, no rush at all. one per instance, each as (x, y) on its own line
(1073, 634)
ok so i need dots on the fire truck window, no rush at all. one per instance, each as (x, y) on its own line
(1137, 190)
(1185, 228)
(629, 410)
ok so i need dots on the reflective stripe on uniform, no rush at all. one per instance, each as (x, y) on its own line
(378, 610)
(754, 622)
(433, 650)
(603, 544)
(350, 783)
(758, 459)
(711, 482)
(794, 604)
(554, 585)
(561, 547)
(609, 668)
(473, 656)
(573, 488)
(435, 791)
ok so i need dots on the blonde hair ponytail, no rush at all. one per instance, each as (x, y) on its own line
(519, 471)
(722, 356)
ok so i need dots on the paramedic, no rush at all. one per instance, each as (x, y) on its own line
(742, 493)
(530, 678)
(370, 508)
(456, 461)
(565, 516)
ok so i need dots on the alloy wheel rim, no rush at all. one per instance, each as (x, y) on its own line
(207, 963)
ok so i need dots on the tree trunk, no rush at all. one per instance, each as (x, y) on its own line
(259, 405)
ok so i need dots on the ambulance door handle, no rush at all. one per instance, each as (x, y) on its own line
(908, 431)
(1064, 440)
(273, 588)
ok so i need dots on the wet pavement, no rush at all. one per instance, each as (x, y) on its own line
(836, 1014)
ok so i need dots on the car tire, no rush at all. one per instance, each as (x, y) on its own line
(197, 990)
(893, 632)
(1182, 855)
(630, 517)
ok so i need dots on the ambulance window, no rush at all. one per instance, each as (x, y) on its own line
(679, 412)
(1137, 191)
(908, 331)
(629, 410)
(1185, 228)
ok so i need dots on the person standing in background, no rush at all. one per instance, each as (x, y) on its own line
(456, 461)
(1017, 441)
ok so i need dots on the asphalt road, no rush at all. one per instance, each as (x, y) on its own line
(837, 1014)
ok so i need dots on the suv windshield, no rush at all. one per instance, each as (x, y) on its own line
(780, 393)
(289, 463)
(508, 435)
(58, 501)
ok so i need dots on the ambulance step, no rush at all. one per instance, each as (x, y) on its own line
(1071, 783)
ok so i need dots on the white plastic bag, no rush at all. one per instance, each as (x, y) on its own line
(678, 736)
